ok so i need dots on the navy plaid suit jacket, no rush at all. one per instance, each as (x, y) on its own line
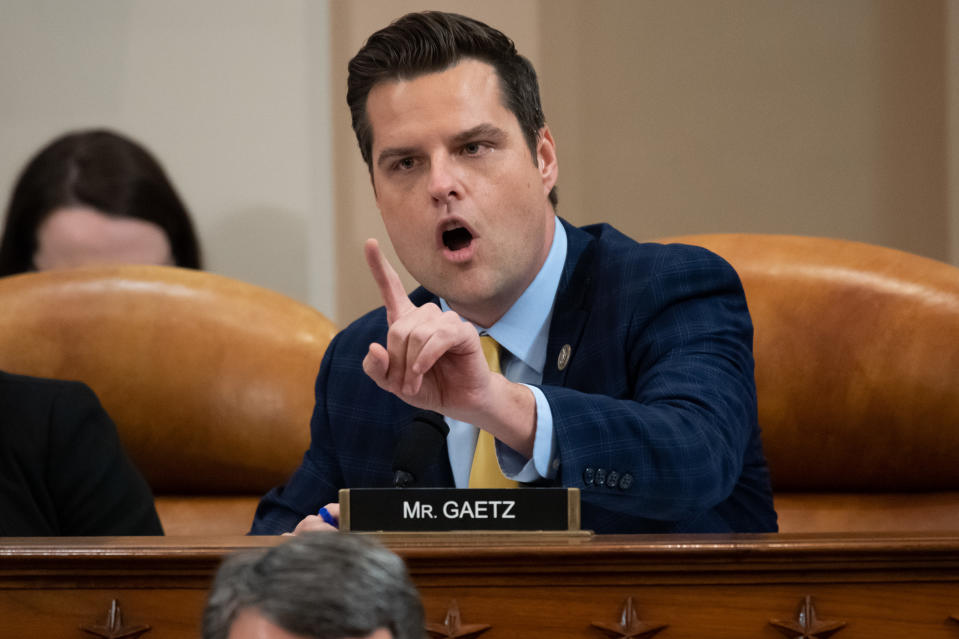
(654, 415)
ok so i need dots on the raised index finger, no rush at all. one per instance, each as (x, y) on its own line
(391, 288)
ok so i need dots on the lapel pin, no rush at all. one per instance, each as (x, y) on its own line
(563, 358)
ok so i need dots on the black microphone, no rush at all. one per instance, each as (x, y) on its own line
(418, 447)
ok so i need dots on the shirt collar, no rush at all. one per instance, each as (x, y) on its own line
(524, 328)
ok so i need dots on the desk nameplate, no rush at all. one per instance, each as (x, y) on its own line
(459, 509)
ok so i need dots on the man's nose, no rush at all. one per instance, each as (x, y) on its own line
(444, 182)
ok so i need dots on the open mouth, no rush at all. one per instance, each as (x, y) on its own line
(457, 238)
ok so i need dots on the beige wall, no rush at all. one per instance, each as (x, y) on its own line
(671, 116)
(819, 118)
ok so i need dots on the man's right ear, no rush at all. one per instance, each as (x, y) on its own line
(546, 159)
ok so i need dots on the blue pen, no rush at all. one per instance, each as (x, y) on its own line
(327, 517)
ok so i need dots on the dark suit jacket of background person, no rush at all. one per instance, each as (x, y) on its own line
(63, 470)
(654, 415)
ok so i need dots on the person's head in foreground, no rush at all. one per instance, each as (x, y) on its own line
(95, 197)
(314, 586)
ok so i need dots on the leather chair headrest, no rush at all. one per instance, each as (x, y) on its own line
(209, 379)
(857, 361)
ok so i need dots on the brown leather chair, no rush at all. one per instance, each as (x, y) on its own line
(857, 375)
(209, 380)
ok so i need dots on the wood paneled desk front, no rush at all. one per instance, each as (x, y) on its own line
(526, 586)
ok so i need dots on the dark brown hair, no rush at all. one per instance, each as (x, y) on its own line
(105, 171)
(431, 41)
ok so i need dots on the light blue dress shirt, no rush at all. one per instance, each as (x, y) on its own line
(522, 333)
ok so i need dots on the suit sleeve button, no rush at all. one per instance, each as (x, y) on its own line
(625, 481)
(600, 476)
(612, 479)
(588, 475)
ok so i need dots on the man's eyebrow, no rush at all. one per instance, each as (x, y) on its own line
(481, 131)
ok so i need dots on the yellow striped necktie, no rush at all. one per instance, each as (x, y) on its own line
(485, 472)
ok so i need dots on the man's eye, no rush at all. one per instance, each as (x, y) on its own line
(405, 164)
(473, 148)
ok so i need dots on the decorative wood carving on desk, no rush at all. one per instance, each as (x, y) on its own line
(453, 626)
(807, 624)
(529, 587)
(114, 628)
(629, 625)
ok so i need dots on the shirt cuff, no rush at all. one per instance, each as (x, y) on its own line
(540, 466)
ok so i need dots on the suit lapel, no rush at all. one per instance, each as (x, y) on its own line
(570, 308)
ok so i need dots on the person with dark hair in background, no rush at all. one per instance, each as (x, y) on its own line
(95, 197)
(624, 369)
(63, 470)
(316, 586)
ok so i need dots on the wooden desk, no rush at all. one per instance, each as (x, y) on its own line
(529, 586)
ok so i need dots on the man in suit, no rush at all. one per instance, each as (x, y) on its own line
(627, 369)
(63, 470)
